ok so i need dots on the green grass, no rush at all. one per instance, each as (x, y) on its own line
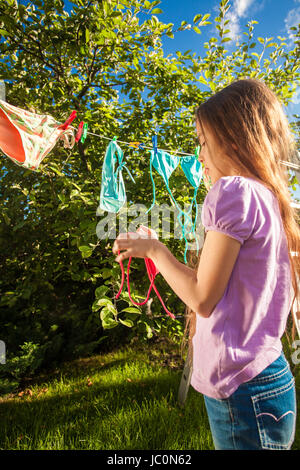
(126, 399)
(122, 400)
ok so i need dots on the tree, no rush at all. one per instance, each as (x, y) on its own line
(56, 276)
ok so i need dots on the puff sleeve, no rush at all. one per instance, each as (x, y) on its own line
(230, 207)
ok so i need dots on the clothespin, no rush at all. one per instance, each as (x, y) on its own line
(154, 143)
(68, 121)
(135, 145)
(115, 138)
(84, 132)
(197, 151)
(79, 131)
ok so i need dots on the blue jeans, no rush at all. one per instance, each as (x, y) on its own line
(260, 414)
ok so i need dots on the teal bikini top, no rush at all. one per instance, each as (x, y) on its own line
(112, 194)
(165, 164)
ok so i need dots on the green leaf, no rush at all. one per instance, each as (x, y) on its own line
(6, 218)
(86, 251)
(102, 303)
(148, 330)
(131, 310)
(128, 323)
(107, 316)
(109, 323)
(136, 63)
(112, 309)
(202, 80)
(156, 11)
(5, 33)
(197, 30)
(205, 17)
(54, 168)
(62, 197)
(213, 86)
(106, 273)
(95, 306)
(197, 18)
(108, 311)
(76, 185)
(100, 291)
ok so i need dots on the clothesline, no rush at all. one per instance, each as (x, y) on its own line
(143, 146)
(283, 162)
(292, 165)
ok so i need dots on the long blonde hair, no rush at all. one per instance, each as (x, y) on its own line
(247, 119)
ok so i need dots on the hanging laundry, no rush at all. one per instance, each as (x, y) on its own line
(152, 270)
(79, 131)
(2, 90)
(192, 169)
(165, 164)
(27, 138)
(112, 194)
(84, 132)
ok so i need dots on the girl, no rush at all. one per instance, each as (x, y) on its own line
(241, 292)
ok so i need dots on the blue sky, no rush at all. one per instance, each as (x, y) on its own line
(274, 18)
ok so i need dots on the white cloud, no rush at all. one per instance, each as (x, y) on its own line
(233, 25)
(241, 9)
(238, 10)
(242, 6)
(292, 19)
(296, 97)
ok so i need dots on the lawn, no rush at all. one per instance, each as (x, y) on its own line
(125, 399)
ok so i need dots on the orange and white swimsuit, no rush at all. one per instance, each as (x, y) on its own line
(27, 138)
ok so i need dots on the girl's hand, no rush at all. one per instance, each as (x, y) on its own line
(133, 245)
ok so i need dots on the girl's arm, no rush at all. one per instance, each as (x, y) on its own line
(218, 257)
(200, 290)
(181, 278)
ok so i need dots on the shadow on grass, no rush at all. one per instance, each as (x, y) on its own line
(137, 415)
(132, 414)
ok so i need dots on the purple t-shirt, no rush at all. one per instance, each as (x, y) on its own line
(242, 335)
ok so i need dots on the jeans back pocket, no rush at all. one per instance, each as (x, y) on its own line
(275, 412)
